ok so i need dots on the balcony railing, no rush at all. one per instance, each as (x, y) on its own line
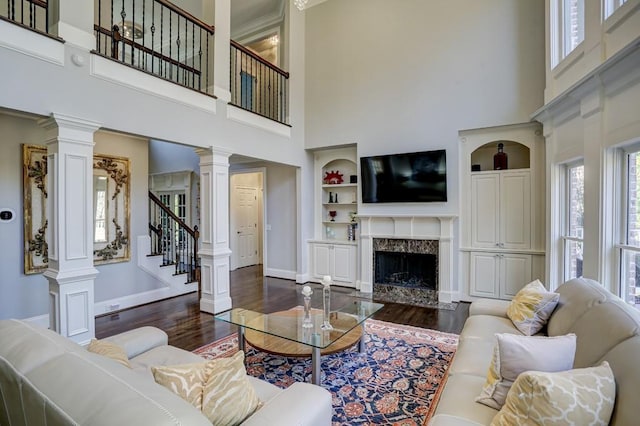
(257, 85)
(157, 37)
(30, 13)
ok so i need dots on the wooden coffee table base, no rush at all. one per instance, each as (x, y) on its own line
(280, 346)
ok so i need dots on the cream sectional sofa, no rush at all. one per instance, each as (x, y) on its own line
(607, 329)
(48, 379)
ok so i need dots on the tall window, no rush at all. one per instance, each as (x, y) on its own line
(574, 220)
(568, 27)
(630, 246)
(611, 6)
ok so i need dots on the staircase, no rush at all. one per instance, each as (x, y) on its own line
(170, 252)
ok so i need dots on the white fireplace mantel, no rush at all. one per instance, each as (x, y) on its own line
(419, 227)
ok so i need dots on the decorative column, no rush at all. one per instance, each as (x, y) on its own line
(74, 22)
(445, 260)
(70, 273)
(214, 249)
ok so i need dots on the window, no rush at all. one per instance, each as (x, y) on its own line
(611, 6)
(630, 245)
(573, 232)
(567, 28)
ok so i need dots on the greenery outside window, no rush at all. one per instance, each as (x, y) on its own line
(573, 227)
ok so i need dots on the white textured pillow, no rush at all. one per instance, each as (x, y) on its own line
(531, 307)
(515, 354)
(584, 396)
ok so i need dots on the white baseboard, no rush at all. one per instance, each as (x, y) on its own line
(302, 278)
(125, 302)
(39, 321)
(280, 273)
(366, 287)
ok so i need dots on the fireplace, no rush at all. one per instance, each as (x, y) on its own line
(406, 271)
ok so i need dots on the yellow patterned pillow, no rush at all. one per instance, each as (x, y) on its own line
(219, 388)
(186, 381)
(110, 350)
(583, 396)
(531, 307)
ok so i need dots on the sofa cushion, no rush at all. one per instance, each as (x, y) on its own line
(219, 388)
(623, 360)
(514, 354)
(531, 307)
(578, 397)
(109, 350)
(577, 296)
(473, 356)
(486, 326)
(457, 399)
(162, 355)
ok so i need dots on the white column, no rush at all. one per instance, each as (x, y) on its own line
(222, 50)
(445, 261)
(71, 273)
(215, 253)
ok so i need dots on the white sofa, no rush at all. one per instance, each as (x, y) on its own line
(48, 379)
(607, 329)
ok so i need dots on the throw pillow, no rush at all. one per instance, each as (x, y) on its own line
(219, 388)
(531, 307)
(186, 381)
(583, 396)
(110, 350)
(513, 354)
(228, 396)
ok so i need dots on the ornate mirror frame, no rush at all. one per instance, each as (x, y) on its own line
(111, 209)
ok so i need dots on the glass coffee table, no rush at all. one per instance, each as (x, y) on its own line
(281, 333)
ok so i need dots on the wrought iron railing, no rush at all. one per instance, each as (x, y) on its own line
(257, 85)
(31, 13)
(174, 240)
(157, 37)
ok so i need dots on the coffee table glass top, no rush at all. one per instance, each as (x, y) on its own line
(288, 324)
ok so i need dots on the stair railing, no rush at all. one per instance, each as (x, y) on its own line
(29, 13)
(174, 240)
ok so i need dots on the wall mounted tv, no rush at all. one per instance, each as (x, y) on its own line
(415, 177)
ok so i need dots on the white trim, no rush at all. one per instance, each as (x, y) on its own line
(138, 299)
(280, 273)
(31, 43)
(76, 36)
(245, 117)
(111, 71)
(302, 278)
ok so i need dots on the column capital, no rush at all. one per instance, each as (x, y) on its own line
(68, 128)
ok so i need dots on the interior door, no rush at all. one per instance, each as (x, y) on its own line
(246, 211)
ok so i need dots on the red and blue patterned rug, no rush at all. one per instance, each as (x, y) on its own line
(397, 381)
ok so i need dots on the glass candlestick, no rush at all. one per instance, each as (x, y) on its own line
(326, 300)
(307, 292)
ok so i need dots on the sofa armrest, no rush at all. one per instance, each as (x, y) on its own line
(448, 420)
(139, 340)
(301, 404)
(497, 308)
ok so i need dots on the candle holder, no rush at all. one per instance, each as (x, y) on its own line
(326, 300)
(307, 292)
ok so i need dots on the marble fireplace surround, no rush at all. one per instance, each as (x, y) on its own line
(411, 227)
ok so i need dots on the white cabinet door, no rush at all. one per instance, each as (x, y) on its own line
(336, 260)
(484, 275)
(321, 260)
(485, 210)
(344, 265)
(515, 210)
(515, 273)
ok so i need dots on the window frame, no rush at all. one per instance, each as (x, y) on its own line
(565, 236)
(560, 39)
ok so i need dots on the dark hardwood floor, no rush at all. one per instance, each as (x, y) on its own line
(188, 328)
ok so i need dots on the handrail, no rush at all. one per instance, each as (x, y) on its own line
(187, 15)
(173, 216)
(145, 49)
(259, 58)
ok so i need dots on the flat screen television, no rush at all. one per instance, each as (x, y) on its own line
(415, 177)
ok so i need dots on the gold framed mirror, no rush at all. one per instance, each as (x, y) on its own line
(111, 211)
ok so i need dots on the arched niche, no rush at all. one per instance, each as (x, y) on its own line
(519, 155)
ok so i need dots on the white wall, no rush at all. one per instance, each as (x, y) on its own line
(406, 76)
(281, 215)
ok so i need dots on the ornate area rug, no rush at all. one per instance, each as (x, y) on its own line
(397, 381)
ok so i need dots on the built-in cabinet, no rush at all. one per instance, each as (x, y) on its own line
(502, 226)
(332, 252)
